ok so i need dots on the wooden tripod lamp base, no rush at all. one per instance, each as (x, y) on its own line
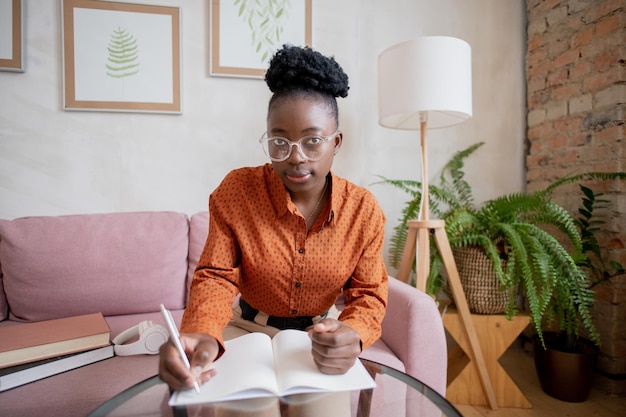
(419, 235)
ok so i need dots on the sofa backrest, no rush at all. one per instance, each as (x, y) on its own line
(198, 232)
(117, 263)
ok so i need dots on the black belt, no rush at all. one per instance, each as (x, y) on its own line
(282, 323)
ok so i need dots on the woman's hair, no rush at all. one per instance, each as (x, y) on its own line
(302, 71)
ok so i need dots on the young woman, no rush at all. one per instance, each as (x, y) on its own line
(289, 236)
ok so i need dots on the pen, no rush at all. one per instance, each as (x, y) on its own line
(171, 326)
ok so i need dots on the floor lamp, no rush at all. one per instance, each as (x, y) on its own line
(426, 83)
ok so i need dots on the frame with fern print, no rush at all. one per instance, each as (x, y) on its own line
(246, 33)
(121, 57)
(11, 25)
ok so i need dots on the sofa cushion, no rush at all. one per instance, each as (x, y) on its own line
(118, 263)
(4, 308)
(198, 232)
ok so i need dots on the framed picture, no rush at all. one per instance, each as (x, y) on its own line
(245, 34)
(11, 35)
(121, 57)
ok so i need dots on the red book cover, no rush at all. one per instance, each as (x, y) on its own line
(29, 342)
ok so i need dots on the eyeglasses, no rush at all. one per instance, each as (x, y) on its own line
(310, 147)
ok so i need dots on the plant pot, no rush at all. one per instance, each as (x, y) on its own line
(480, 283)
(563, 375)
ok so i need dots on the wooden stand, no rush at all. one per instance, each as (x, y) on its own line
(495, 334)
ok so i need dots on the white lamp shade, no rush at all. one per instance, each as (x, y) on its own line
(431, 75)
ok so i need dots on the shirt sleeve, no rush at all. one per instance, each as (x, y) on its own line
(366, 291)
(216, 279)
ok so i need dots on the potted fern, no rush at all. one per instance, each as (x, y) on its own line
(512, 232)
(535, 248)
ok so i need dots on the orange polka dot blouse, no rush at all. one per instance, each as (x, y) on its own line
(258, 246)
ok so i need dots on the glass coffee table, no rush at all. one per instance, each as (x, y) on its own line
(396, 395)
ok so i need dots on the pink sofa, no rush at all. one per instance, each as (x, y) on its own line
(124, 265)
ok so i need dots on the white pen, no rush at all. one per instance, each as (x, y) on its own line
(171, 327)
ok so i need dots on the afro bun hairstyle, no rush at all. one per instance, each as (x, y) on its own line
(294, 68)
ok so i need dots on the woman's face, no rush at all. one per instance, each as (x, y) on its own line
(293, 118)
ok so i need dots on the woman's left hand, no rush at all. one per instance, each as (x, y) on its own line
(335, 346)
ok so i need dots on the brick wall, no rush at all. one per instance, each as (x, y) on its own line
(576, 93)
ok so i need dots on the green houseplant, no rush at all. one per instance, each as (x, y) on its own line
(589, 223)
(541, 265)
(566, 363)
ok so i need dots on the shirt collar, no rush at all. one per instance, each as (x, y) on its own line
(280, 196)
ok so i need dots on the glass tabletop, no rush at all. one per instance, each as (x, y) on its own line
(396, 395)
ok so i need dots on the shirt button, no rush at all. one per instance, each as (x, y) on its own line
(298, 284)
(301, 250)
(294, 311)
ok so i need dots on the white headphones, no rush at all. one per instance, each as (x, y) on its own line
(151, 337)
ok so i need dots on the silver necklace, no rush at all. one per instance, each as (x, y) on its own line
(318, 202)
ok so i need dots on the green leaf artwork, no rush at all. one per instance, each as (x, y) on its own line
(123, 59)
(266, 22)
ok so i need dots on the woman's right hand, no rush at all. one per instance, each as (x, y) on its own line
(201, 350)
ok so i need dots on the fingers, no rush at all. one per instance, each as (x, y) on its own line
(172, 370)
(334, 334)
(203, 357)
(334, 365)
(335, 346)
(327, 325)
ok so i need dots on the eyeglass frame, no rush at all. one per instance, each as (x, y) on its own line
(297, 144)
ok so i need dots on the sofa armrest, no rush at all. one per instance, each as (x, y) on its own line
(414, 331)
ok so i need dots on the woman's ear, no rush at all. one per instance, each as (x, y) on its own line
(338, 141)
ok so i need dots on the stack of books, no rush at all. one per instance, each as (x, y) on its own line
(33, 351)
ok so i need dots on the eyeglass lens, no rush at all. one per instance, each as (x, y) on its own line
(279, 149)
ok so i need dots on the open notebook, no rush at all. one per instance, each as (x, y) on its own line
(255, 365)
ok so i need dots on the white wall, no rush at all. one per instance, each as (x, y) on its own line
(56, 162)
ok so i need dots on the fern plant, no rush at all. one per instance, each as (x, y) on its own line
(541, 265)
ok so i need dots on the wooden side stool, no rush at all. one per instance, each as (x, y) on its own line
(495, 335)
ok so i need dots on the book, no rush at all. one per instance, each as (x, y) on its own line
(255, 365)
(33, 371)
(29, 342)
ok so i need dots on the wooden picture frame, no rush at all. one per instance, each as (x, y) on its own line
(121, 57)
(11, 35)
(245, 35)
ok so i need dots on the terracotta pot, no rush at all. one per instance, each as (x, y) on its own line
(563, 375)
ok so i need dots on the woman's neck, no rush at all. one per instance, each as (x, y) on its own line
(311, 204)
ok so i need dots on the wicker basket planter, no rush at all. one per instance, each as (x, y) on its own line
(480, 283)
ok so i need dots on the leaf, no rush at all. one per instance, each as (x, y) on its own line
(619, 269)
(586, 212)
(587, 192)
